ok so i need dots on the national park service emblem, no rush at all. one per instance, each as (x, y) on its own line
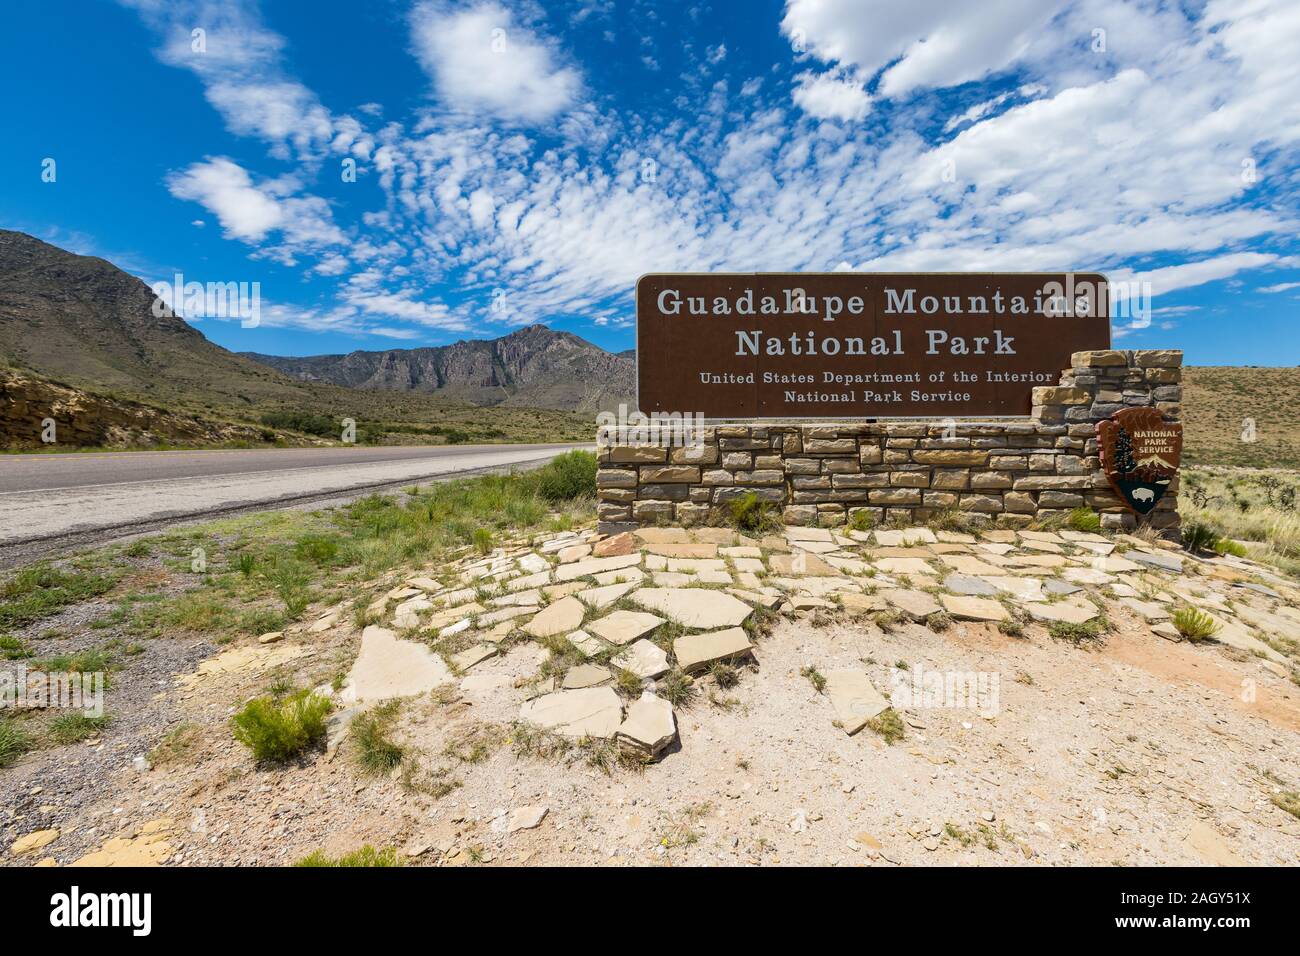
(1140, 452)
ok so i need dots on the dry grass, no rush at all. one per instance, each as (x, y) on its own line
(1257, 506)
(1218, 400)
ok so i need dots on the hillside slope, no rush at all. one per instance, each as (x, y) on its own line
(533, 366)
(1221, 402)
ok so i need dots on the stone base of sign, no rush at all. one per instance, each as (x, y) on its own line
(1012, 472)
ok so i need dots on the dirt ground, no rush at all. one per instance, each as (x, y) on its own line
(1135, 750)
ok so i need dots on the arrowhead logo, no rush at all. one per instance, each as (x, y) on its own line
(1140, 453)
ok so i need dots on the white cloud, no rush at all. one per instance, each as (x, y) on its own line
(924, 43)
(1188, 274)
(482, 62)
(250, 212)
(1280, 287)
(829, 96)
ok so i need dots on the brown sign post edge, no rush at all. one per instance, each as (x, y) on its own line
(737, 346)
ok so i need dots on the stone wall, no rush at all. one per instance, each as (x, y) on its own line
(1012, 472)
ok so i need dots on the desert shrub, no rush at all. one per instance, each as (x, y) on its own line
(482, 540)
(1199, 537)
(1195, 625)
(309, 423)
(291, 582)
(366, 856)
(861, 520)
(75, 727)
(376, 751)
(752, 513)
(278, 730)
(14, 741)
(888, 725)
(568, 476)
(1228, 546)
(319, 549)
(1084, 519)
(1075, 633)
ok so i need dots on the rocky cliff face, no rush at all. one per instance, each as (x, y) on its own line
(534, 366)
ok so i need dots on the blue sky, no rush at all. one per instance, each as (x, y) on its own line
(520, 162)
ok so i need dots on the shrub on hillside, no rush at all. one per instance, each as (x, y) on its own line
(568, 476)
(309, 423)
(276, 730)
(1195, 625)
(752, 513)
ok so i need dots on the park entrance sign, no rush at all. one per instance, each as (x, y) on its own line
(847, 345)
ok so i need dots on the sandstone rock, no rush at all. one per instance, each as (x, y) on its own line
(616, 546)
(854, 698)
(904, 566)
(586, 675)
(270, 637)
(856, 603)
(963, 584)
(650, 726)
(645, 659)
(800, 562)
(694, 607)
(624, 627)
(915, 604)
(563, 616)
(586, 643)
(590, 712)
(389, 667)
(573, 552)
(526, 818)
(697, 651)
(1061, 611)
(33, 842)
(1204, 841)
(603, 597)
(473, 655)
(580, 569)
(973, 608)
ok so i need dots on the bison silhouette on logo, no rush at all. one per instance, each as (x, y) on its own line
(1140, 452)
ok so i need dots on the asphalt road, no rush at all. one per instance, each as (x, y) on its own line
(48, 502)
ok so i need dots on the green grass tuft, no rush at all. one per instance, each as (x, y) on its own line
(276, 730)
(1195, 625)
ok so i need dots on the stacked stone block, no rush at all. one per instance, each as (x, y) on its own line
(1011, 472)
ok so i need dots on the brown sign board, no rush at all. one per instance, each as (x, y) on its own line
(850, 345)
(1140, 454)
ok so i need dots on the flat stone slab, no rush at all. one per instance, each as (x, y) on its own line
(697, 651)
(650, 727)
(694, 607)
(586, 643)
(624, 627)
(765, 599)
(965, 564)
(1061, 611)
(691, 549)
(563, 616)
(1063, 588)
(1150, 611)
(808, 534)
(1087, 576)
(1161, 560)
(580, 569)
(1024, 589)
(645, 659)
(616, 546)
(586, 675)
(965, 584)
(973, 608)
(800, 563)
(856, 603)
(904, 566)
(389, 667)
(604, 596)
(663, 535)
(854, 698)
(915, 604)
(589, 712)
(472, 655)
(904, 537)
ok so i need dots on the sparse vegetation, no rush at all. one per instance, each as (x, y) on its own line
(376, 752)
(1075, 633)
(1288, 800)
(888, 725)
(753, 514)
(41, 590)
(566, 477)
(14, 741)
(1085, 520)
(74, 727)
(277, 730)
(1195, 625)
(366, 856)
(176, 746)
(814, 677)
